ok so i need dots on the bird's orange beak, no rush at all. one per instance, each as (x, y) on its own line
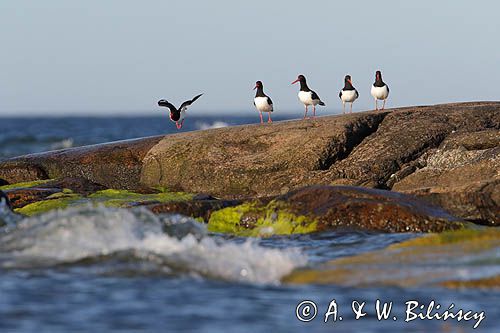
(295, 81)
(255, 87)
(349, 81)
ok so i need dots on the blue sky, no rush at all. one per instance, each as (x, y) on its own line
(120, 56)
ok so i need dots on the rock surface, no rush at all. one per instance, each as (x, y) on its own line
(446, 154)
(450, 259)
(114, 165)
(317, 208)
(461, 175)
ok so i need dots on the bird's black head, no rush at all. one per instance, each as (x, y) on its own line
(301, 78)
(347, 78)
(258, 84)
(378, 75)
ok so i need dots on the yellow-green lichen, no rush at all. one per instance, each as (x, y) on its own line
(477, 237)
(57, 202)
(24, 184)
(109, 198)
(254, 220)
(121, 198)
(414, 262)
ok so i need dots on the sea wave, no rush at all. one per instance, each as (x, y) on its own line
(62, 144)
(202, 125)
(170, 243)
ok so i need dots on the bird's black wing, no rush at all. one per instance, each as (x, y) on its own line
(269, 101)
(188, 103)
(387, 88)
(357, 93)
(165, 103)
(314, 95)
(340, 94)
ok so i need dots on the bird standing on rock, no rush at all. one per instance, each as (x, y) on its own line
(380, 90)
(178, 115)
(307, 96)
(348, 94)
(262, 102)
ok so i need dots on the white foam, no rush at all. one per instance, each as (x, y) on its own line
(216, 124)
(73, 234)
(63, 144)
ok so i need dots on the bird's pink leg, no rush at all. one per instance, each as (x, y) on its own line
(314, 111)
(182, 123)
(177, 125)
(343, 107)
(269, 120)
(305, 114)
(383, 106)
(376, 105)
(261, 120)
(351, 108)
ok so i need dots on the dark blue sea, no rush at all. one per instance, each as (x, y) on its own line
(96, 269)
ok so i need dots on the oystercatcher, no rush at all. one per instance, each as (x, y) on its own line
(307, 96)
(348, 94)
(262, 102)
(178, 115)
(380, 90)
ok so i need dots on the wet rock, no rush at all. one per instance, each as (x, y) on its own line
(194, 208)
(336, 208)
(449, 259)
(113, 165)
(78, 185)
(25, 196)
(12, 173)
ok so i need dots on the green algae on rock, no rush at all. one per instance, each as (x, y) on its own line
(24, 185)
(58, 201)
(319, 208)
(109, 198)
(123, 198)
(252, 219)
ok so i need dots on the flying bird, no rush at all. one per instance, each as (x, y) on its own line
(380, 90)
(348, 94)
(262, 102)
(307, 96)
(178, 115)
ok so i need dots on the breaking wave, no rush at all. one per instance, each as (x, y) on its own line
(206, 125)
(170, 243)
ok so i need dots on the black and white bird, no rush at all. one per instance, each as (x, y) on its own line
(380, 90)
(348, 94)
(307, 96)
(262, 102)
(178, 115)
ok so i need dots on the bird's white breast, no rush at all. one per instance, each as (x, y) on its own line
(306, 98)
(262, 104)
(380, 92)
(348, 96)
